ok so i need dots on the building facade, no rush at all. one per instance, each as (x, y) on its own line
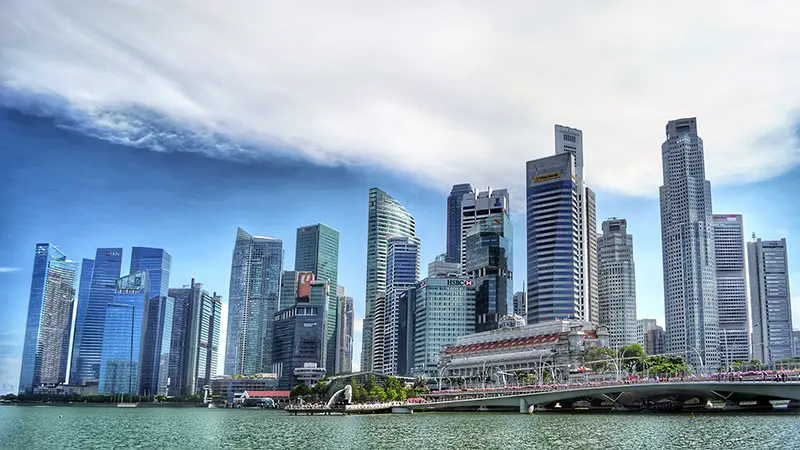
(617, 283)
(770, 300)
(45, 350)
(553, 241)
(402, 274)
(453, 254)
(157, 263)
(653, 341)
(489, 263)
(87, 268)
(123, 335)
(386, 218)
(476, 207)
(687, 237)
(444, 310)
(344, 362)
(441, 267)
(156, 346)
(406, 307)
(255, 285)
(642, 326)
(729, 255)
(87, 347)
(521, 304)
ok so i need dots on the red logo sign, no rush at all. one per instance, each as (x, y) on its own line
(468, 283)
(304, 280)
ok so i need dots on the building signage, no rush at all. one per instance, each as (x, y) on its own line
(459, 283)
(112, 253)
(304, 280)
(546, 177)
(310, 324)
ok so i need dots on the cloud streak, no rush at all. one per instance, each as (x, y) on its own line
(444, 93)
(4, 269)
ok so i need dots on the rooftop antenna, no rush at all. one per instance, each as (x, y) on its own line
(754, 237)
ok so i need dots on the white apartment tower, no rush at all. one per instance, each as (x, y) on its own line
(617, 283)
(687, 239)
(570, 140)
(476, 207)
(734, 326)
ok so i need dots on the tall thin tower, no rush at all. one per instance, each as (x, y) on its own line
(687, 239)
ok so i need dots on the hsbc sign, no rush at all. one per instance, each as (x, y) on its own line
(467, 283)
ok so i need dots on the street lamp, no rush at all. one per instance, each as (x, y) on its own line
(702, 366)
(440, 374)
(616, 366)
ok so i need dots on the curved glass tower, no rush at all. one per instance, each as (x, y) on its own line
(387, 218)
(253, 301)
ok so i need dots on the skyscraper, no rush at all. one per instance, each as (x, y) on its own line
(770, 300)
(617, 283)
(45, 351)
(87, 267)
(570, 141)
(687, 237)
(318, 252)
(488, 264)
(453, 254)
(406, 306)
(476, 207)
(256, 269)
(288, 289)
(553, 241)
(88, 346)
(440, 266)
(521, 304)
(156, 345)
(344, 362)
(194, 351)
(386, 218)
(729, 255)
(121, 355)
(402, 274)
(157, 263)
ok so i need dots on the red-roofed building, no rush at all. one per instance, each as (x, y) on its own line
(256, 397)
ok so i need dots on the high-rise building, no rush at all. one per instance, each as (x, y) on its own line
(255, 286)
(87, 348)
(729, 255)
(570, 141)
(344, 361)
(441, 267)
(642, 326)
(770, 300)
(402, 274)
(317, 251)
(796, 342)
(617, 283)
(687, 239)
(406, 305)
(653, 341)
(124, 325)
(87, 267)
(299, 335)
(444, 310)
(475, 208)
(157, 263)
(453, 254)
(288, 289)
(553, 241)
(45, 351)
(488, 264)
(156, 345)
(520, 304)
(378, 334)
(386, 218)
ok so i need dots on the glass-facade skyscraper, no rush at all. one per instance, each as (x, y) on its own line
(402, 274)
(87, 268)
(45, 349)
(317, 251)
(157, 263)
(734, 323)
(489, 263)
(123, 335)
(88, 346)
(454, 200)
(256, 269)
(386, 218)
(156, 345)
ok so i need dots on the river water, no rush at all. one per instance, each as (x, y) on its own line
(65, 427)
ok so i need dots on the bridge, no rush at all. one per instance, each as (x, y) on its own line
(651, 395)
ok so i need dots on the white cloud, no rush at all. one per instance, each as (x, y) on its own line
(8, 269)
(444, 92)
(358, 325)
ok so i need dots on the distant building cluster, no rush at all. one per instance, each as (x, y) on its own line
(724, 300)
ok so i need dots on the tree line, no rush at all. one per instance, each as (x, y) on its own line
(392, 389)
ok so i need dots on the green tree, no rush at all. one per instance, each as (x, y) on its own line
(633, 358)
(600, 359)
(300, 391)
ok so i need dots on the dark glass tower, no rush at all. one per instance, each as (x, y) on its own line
(87, 267)
(454, 221)
(489, 262)
(157, 263)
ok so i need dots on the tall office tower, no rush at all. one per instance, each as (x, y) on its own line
(194, 348)
(444, 310)
(387, 218)
(570, 140)
(653, 340)
(45, 351)
(440, 266)
(476, 207)
(288, 289)
(402, 274)
(617, 283)
(488, 264)
(796, 342)
(156, 345)
(87, 267)
(252, 303)
(378, 334)
(406, 305)
(734, 326)
(157, 263)
(344, 347)
(317, 251)
(453, 253)
(520, 304)
(123, 335)
(88, 346)
(687, 239)
(642, 327)
(770, 300)
(554, 239)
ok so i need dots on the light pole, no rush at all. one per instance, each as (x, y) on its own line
(440, 375)
(616, 366)
(702, 366)
(541, 366)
